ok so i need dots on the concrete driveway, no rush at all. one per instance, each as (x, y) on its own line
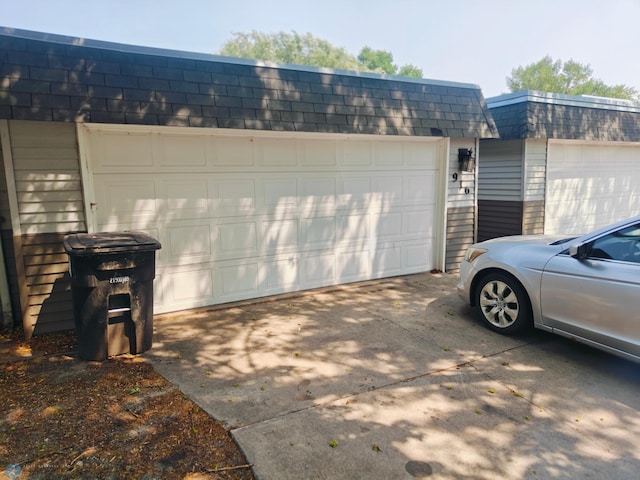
(397, 380)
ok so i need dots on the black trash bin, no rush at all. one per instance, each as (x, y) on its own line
(112, 289)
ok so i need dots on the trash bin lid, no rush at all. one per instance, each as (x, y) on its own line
(109, 242)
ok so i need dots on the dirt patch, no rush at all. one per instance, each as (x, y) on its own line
(61, 417)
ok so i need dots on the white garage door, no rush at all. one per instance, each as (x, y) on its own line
(590, 185)
(242, 215)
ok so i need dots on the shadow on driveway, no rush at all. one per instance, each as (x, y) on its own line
(396, 379)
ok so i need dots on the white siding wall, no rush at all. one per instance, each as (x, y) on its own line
(461, 205)
(48, 186)
(500, 177)
(456, 195)
(535, 170)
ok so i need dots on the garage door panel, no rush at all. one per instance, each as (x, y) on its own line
(590, 185)
(233, 240)
(357, 154)
(281, 275)
(237, 281)
(191, 287)
(415, 257)
(388, 225)
(415, 155)
(233, 196)
(419, 222)
(279, 236)
(187, 244)
(353, 265)
(182, 151)
(127, 201)
(386, 191)
(389, 154)
(276, 153)
(280, 193)
(317, 153)
(354, 227)
(317, 269)
(419, 188)
(387, 261)
(318, 192)
(233, 151)
(187, 198)
(354, 192)
(253, 215)
(125, 151)
(318, 232)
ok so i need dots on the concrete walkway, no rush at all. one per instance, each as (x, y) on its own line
(397, 380)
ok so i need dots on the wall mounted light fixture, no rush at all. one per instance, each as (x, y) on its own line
(466, 159)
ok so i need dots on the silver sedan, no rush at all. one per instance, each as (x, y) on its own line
(586, 288)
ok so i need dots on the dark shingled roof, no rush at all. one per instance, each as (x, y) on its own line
(531, 114)
(55, 78)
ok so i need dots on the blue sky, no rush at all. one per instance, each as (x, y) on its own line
(466, 41)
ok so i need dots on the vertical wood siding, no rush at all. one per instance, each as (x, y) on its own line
(49, 191)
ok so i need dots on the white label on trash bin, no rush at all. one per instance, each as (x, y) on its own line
(119, 280)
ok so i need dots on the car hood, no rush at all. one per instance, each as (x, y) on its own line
(529, 240)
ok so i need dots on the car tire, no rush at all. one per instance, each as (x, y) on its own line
(502, 303)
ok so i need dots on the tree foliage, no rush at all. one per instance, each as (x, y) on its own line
(569, 77)
(381, 61)
(306, 49)
(290, 48)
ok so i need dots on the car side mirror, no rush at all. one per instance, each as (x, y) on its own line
(580, 251)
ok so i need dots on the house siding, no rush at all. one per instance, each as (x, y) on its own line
(501, 170)
(500, 183)
(460, 235)
(461, 206)
(49, 194)
(535, 170)
(511, 188)
(497, 218)
(533, 217)
(47, 176)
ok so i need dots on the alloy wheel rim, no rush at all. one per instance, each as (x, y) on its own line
(499, 304)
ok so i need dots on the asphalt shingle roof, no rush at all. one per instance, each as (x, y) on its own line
(54, 78)
(531, 114)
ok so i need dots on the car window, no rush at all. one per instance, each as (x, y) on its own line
(623, 245)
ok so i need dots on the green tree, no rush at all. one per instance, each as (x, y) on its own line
(308, 50)
(379, 61)
(410, 70)
(570, 77)
(290, 48)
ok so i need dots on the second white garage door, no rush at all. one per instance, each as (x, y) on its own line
(590, 185)
(247, 214)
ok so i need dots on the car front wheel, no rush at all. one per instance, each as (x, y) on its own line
(502, 303)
